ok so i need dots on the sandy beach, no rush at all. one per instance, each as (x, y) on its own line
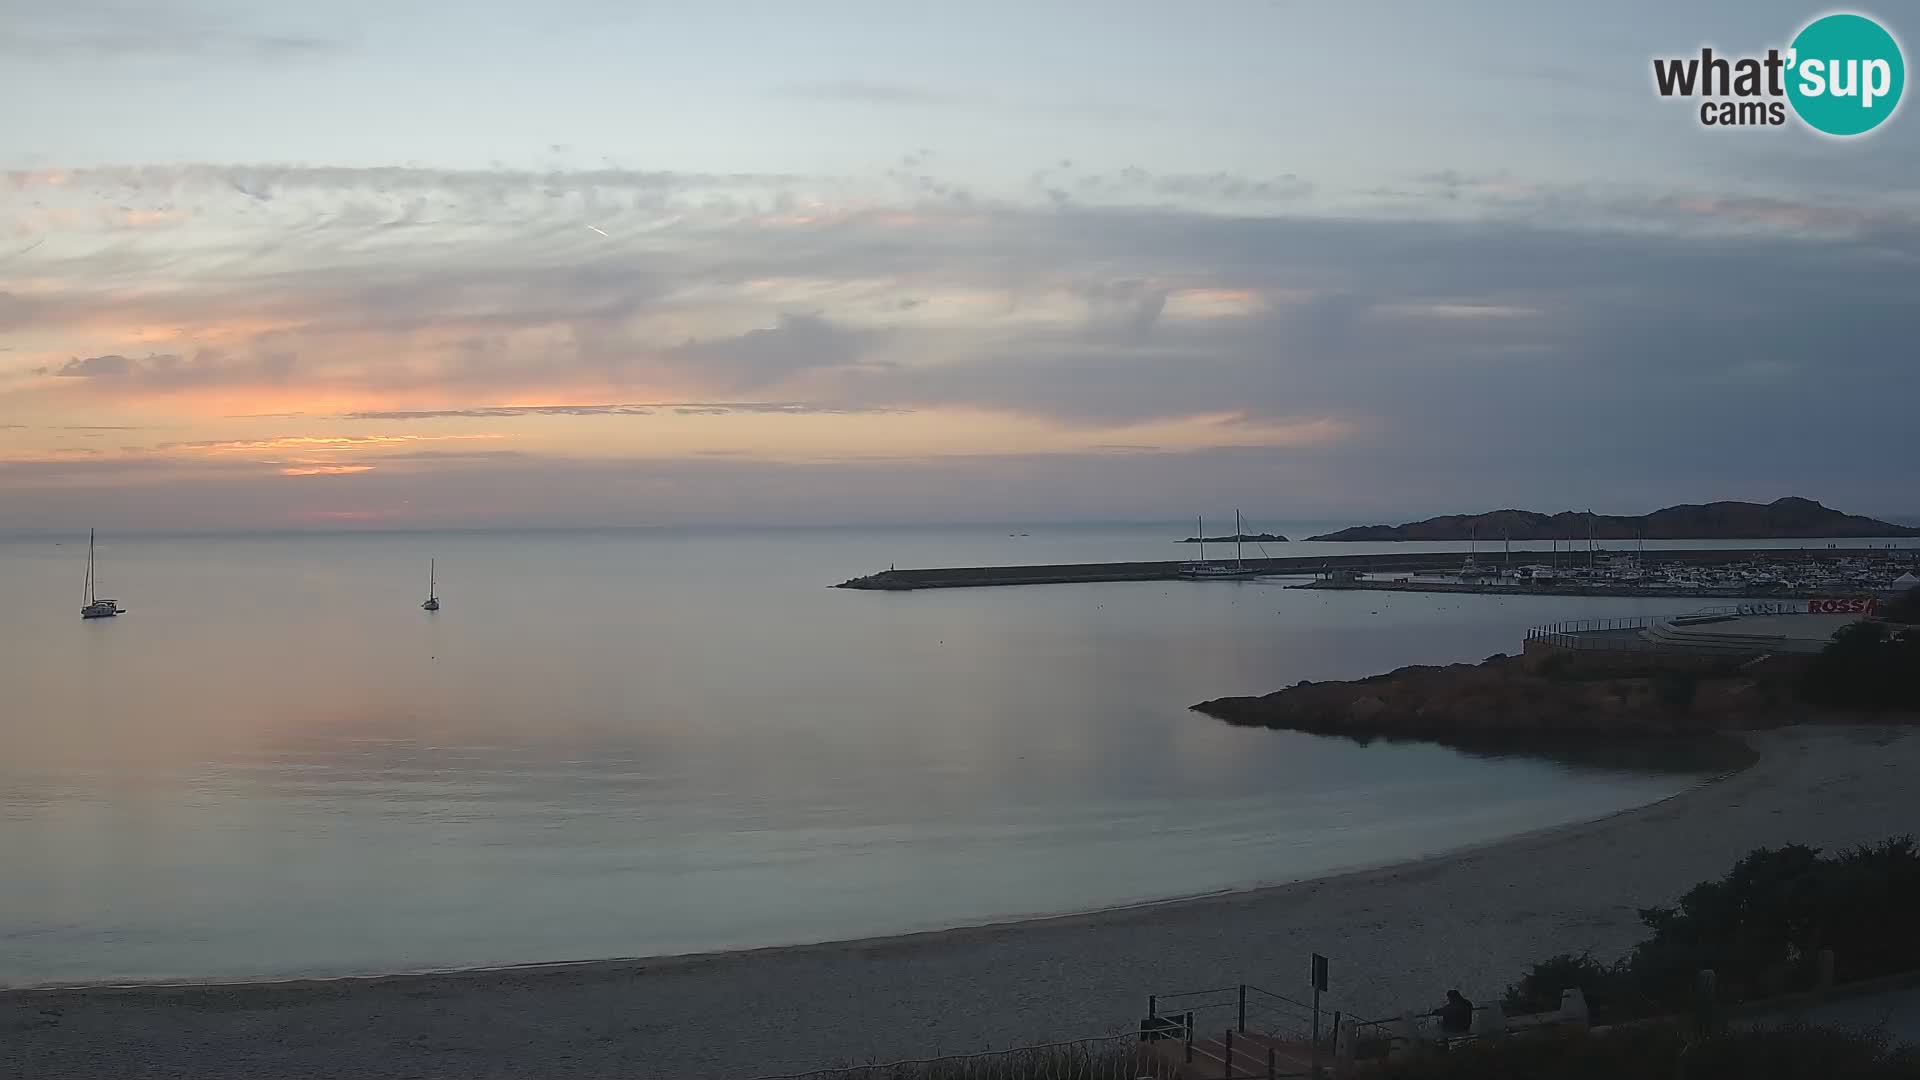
(1397, 936)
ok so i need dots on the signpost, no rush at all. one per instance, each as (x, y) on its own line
(1319, 987)
(1819, 605)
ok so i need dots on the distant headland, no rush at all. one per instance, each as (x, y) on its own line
(1245, 538)
(1781, 519)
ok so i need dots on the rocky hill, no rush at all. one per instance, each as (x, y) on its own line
(1782, 518)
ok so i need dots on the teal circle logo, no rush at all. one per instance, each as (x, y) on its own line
(1845, 74)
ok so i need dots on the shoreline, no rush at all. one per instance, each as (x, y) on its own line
(664, 962)
(1399, 934)
(1010, 923)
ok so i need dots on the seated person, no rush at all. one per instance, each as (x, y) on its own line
(1456, 1016)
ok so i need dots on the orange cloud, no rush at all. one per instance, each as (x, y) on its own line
(327, 443)
(325, 470)
(143, 218)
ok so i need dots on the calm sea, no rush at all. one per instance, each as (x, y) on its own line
(636, 742)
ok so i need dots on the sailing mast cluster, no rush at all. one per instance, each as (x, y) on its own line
(97, 607)
(1205, 569)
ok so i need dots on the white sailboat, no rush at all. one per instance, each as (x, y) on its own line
(433, 601)
(1205, 569)
(95, 607)
(1470, 570)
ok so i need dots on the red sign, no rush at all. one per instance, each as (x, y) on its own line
(1842, 605)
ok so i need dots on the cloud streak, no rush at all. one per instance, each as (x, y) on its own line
(325, 470)
(320, 443)
(858, 92)
(709, 408)
(90, 29)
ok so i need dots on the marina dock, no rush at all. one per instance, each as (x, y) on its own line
(1504, 587)
(1341, 566)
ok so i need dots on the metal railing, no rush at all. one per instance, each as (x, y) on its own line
(1380, 1038)
(1572, 634)
(1575, 633)
(1242, 1007)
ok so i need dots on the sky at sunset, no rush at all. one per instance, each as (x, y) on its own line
(579, 263)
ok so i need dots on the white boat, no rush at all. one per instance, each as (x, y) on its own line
(432, 602)
(1470, 570)
(96, 607)
(1204, 570)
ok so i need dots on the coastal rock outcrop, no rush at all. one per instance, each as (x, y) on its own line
(1504, 698)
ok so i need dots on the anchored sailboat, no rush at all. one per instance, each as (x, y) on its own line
(94, 607)
(1205, 569)
(433, 601)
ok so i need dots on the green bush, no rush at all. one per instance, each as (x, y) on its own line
(1904, 608)
(1609, 990)
(1795, 1051)
(1663, 1053)
(1751, 927)
(1759, 929)
(1866, 666)
(1677, 688)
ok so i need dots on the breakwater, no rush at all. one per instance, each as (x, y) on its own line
(1412, 562)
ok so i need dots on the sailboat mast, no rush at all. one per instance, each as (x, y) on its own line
(89, 567)
(430, 570)
(1200, 534)
(1237, 530)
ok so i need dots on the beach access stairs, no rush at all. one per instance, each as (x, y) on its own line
(1241, 1031)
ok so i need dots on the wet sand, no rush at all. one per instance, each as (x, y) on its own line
(1398, 936)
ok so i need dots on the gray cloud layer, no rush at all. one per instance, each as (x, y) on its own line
(1643, 347)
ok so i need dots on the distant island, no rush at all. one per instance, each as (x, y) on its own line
(1246, 538)
(1781, 519)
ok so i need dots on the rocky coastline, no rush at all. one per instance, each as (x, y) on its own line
(1517, 700)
